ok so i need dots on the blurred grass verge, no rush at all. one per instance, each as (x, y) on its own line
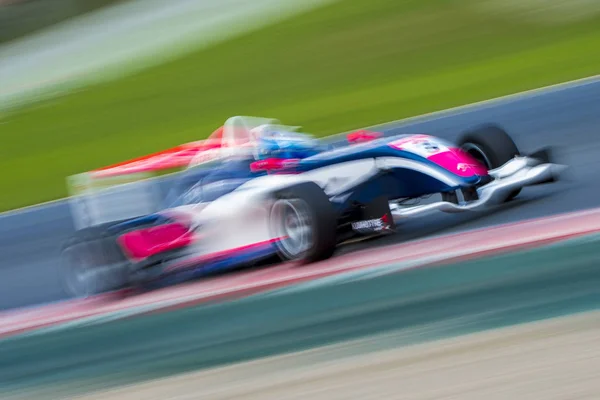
(23, 17)
(342, 66)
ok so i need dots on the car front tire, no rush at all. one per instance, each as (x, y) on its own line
(492, 146)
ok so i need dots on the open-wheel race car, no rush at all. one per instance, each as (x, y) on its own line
(258, 190)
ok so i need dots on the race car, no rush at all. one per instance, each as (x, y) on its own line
(260, 191)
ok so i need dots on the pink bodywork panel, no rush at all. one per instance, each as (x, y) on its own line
(144, 243)
(441, 153)
(458, 162)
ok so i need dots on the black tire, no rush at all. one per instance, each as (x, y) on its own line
(93, 263)
(311, 201)
(491, 146)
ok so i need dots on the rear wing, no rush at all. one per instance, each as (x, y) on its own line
(135, 187)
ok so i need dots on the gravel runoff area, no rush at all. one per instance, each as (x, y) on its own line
(552, 359)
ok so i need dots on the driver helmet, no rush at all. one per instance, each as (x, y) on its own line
(274, 143)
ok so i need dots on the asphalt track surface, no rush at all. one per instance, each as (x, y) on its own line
(568, 119)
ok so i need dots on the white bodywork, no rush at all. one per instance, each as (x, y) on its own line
(241, 217)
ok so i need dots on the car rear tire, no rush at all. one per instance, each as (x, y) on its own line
(93, 263)
(492, 146)
(304, 220)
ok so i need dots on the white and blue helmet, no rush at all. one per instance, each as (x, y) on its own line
(274, 142)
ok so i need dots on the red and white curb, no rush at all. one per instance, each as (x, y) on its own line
(429, 260)
(413, 254)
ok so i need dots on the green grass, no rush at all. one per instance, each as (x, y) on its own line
(347, 65)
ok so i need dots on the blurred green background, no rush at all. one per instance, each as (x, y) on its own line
(346, 65)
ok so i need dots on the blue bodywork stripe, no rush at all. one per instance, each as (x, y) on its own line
(375, 149)
(220, 265)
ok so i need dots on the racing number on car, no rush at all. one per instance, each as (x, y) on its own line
(421, 145)
(429, 147)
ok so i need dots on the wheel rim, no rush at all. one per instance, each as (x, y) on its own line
(291, 222)
(478, 154)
